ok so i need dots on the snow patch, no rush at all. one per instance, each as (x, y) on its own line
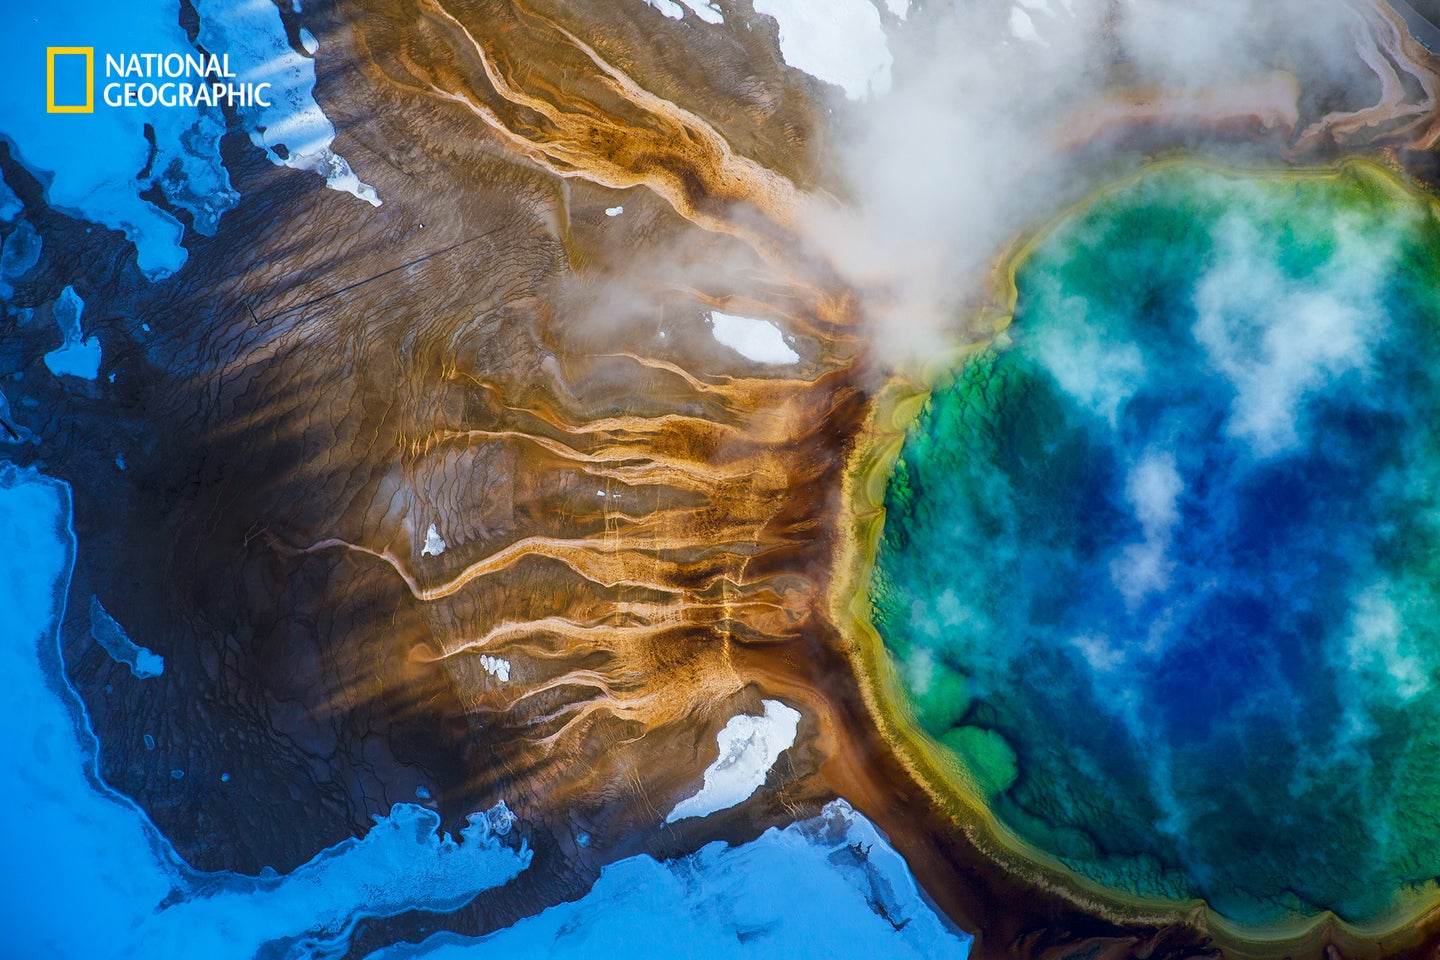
(496, 667)
(112, 637)
(92, 164)
(614, 211)
(77, 356)
(671, 9)
(709, 12)
(841, 42)
(749, 747)
(831, 886)
(758, 340)
(293, 131)
(434, 545)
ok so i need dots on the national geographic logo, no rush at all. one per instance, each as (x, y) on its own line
(77, 95)
(145, 80)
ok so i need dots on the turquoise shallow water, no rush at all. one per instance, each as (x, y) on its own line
(1162, 569)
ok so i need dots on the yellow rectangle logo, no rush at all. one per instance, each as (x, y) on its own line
(89, 54)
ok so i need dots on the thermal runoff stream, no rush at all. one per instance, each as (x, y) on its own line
(1159, 565)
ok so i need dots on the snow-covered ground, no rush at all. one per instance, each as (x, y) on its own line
(758, 340)
(293, 131)
(749, 747)
(98, 164)
(96, 158)
(497, 667)
(828, 887)
(675, 10)
(434, 543)
(76, 356)
(839, 41)
(86, 874)
(107, 632)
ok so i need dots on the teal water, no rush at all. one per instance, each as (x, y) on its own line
(1161, 570)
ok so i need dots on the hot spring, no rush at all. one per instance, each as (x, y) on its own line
(1160, 566)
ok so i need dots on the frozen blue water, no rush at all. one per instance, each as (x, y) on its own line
(92, 163)
(112, 637)
(76, 356)
(830, 887)
(76, 850)
(86, 875)
(97, 165)
(293, 130)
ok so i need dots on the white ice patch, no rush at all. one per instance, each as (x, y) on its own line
(434, 545)
(841, 42)
(668, 7)
(614, 211)
(1153, 489)
(709, 12)
(749, 747)
(758, 340)
(91, 163)
(900, 8)
(497, 667)
(831, 886)
(76, 356)
(293, 131)
(107, 632)
(83, 847)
